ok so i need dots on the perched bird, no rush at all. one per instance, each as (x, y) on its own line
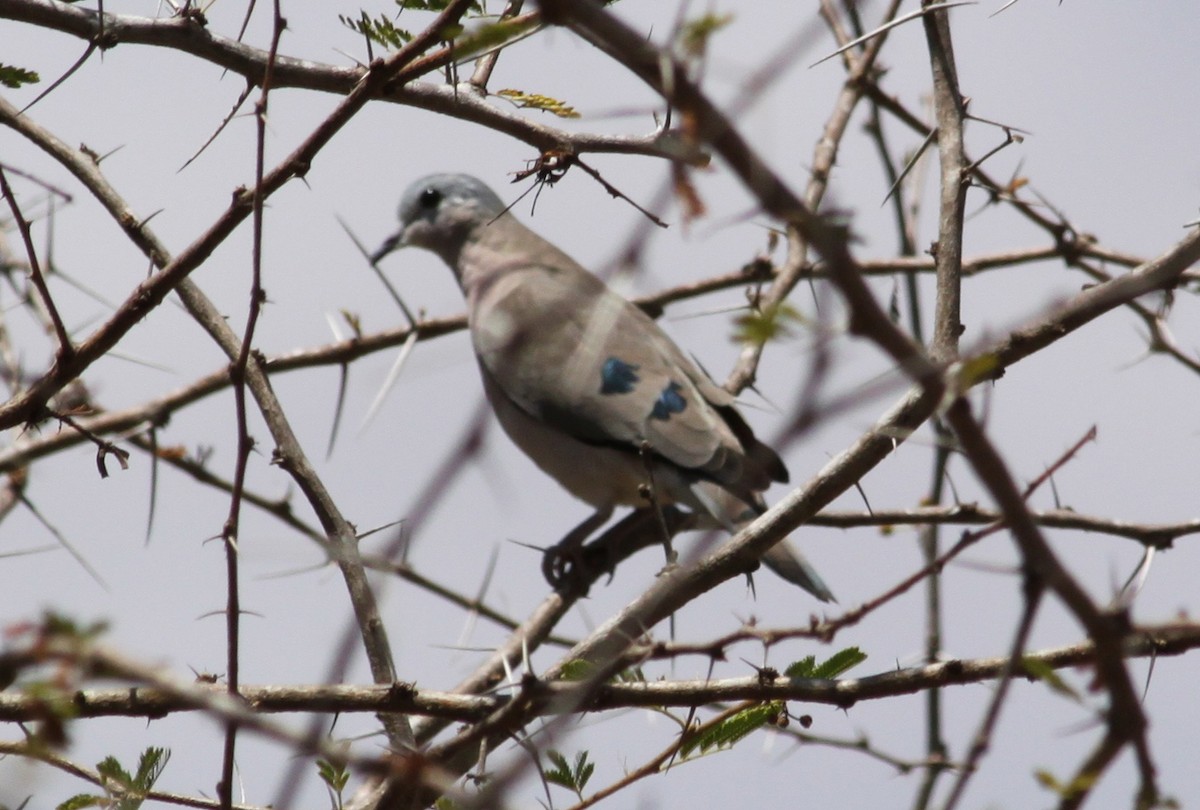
(584, 382)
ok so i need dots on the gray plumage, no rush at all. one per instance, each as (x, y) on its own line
(581, 379)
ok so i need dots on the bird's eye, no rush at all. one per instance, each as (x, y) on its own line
(430, 198)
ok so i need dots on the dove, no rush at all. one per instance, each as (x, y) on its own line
(584, 382)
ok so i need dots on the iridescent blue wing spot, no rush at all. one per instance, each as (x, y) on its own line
(669, 401)
(617, 376)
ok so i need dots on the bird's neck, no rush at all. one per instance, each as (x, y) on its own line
(494, 250)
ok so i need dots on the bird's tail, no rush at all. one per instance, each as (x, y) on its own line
(791, 565)
(734, 513)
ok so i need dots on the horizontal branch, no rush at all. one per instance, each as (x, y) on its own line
(1159, 535)
(189, 34)
(155, 701)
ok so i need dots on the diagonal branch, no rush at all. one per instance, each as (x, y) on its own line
(1125, 719)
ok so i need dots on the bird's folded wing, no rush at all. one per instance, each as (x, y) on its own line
(573, 354)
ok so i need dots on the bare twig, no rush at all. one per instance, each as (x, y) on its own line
(61, 335)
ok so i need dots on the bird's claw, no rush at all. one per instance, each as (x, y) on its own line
(559, 564)
(564, 566)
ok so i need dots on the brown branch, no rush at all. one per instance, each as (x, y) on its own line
(94, 660)
(156, 695)
(281, 509)
(1125, 719)
(151, 292)
(189, 35)
(58, 328)
(1161, 273)
(1157, 535)
(949, 109)
(244, 442)
(625, 537)
(825, 157)
(1071, 244)
(1035, 589)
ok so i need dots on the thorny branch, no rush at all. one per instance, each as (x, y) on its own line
(151, 694)
(941, 381)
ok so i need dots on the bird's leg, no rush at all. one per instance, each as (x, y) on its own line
(648, 492)
(564, 555)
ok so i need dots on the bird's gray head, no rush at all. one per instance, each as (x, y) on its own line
(440, 211)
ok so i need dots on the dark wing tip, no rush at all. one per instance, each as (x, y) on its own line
(762, 463)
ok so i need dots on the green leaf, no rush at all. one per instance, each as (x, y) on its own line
(82, 800)
(831, 667)
(59, 624)
(13, 76)
(381, 31)
(151, 764)
(583, 769)
(631, 675)
(129, 791)
(560, 774)
(110, 768)
(354, 321)
(732, 729)
(334, 775)
(384, 32)
(804, 668)
(572, 777)
(1076, 786)
(840, 662)
(577, 670)
(489, 36)
(56, 701)
(975, 370)
(760, 326)
(694, 36)
(1047, 780)
(1040, 670)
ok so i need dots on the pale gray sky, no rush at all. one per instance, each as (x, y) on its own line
(1107, 93)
